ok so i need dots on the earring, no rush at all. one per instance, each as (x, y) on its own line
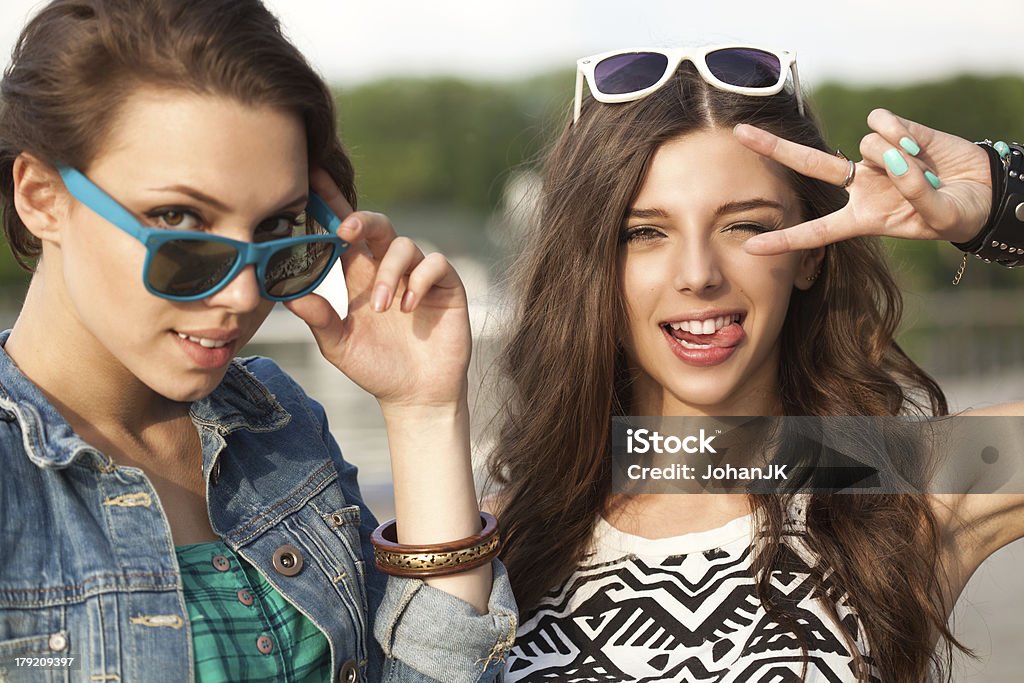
(812, 278)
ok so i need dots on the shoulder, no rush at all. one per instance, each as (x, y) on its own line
(266, 371)
(278, 386)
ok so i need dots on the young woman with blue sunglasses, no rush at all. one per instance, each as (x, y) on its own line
(675, 271)
(169, 170)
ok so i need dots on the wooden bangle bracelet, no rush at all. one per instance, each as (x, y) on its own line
(435, 559)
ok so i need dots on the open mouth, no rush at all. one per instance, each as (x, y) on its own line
(720, 331)
(204, 342)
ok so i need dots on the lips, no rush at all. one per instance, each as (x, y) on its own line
(710, 329)
(727, 335)
(208, 349)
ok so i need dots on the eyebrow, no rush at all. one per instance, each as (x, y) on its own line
(747, 205)
(204, 198)
(727, 208)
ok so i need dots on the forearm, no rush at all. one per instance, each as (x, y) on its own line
(435, 498)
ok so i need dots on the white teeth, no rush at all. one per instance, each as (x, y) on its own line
(205, 343)
(687, 345)
(706, 326)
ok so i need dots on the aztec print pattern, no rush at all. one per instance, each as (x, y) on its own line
(646, 615)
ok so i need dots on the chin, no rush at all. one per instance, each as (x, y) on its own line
(187, 390)
(705, 399)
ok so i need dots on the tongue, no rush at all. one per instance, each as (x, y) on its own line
(729, 335)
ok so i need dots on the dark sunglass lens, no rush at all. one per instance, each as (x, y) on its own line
(189, 267)
(745, 67)
(293, 270)
(629, 73)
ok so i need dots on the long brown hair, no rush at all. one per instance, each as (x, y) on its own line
(566, 375)
(77, 61)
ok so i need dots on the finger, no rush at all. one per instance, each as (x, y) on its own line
(324, 322)
(401, 257)
(816, 233)
(434, 271)
(908, 177)
(895, 128)
(323, 184)
(372, 229)
(807, 161)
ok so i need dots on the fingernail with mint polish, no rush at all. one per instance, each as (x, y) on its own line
(933, 179)
(380, 298)
(910, 146)
(895, 162)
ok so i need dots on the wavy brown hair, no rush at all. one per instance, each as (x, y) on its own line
(77, 62)
(566, 374)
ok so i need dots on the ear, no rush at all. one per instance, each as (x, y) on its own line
(39, 197)
(809, 268)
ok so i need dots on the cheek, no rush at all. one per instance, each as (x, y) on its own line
(639, 280)
(760, 275)
(101, 272)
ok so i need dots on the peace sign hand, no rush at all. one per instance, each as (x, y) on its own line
(882, 202)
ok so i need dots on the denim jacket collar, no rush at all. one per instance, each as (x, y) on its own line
(238, 402)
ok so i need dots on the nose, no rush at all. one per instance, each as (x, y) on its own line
(241, 295)
(697, 267)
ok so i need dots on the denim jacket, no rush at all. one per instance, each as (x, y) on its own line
(88, 568)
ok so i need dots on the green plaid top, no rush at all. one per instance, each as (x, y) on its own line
(242, 628)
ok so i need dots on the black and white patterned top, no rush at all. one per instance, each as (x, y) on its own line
(683, 609)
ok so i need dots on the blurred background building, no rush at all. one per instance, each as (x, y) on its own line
(446, 106)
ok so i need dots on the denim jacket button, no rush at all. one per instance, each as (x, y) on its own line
(221, 563)
(349, 672)
(287, 560)
(244, 597)
(265, 645)
(58, 642)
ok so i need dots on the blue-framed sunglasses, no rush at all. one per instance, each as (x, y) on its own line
(184, 265)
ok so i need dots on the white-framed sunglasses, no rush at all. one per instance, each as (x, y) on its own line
(628, 75)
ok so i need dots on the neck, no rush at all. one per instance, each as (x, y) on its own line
(77, 373)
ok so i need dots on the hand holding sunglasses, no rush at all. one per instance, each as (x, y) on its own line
(896, 189)
(406, 338)
(411, 353)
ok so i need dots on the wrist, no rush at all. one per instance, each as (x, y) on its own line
(1001, 239)
(425, 412)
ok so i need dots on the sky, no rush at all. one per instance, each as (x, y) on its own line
(864, 42)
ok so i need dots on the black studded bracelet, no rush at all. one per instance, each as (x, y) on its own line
(1001, 239)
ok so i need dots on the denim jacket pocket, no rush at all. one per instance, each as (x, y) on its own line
(34, 648)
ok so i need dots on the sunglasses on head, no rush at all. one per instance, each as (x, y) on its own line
(186, 265)
(628, 75)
